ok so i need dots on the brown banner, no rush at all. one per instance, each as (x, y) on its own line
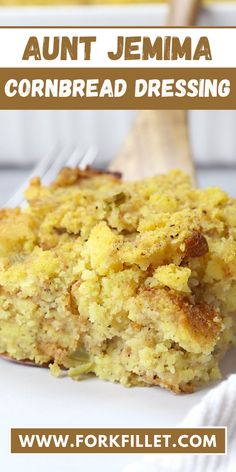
(180, 88)
(171, 440)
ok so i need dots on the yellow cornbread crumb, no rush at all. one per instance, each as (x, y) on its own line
(132, 281)
(173, 276)
(55, 369)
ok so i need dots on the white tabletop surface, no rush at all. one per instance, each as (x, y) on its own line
(31, 397)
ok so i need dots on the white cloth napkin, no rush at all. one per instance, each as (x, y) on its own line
(217, 408)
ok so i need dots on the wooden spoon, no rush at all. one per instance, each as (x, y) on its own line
(158, 140)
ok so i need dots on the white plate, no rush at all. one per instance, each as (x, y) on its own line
(31, 397)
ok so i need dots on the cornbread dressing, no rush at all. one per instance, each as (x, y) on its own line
(132, 281)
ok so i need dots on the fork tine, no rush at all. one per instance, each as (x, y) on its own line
(89, 157)
(49, 166)
(58, 163)
(38, 170)
(75, 158)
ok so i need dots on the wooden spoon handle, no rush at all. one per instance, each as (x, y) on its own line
(157, 143)
(158, 140)
(183, 12)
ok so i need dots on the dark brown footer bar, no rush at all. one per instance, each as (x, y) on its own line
(160, 440)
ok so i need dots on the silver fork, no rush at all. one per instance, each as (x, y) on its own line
(50, 165)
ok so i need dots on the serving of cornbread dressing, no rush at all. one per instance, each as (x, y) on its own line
(132, 281)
